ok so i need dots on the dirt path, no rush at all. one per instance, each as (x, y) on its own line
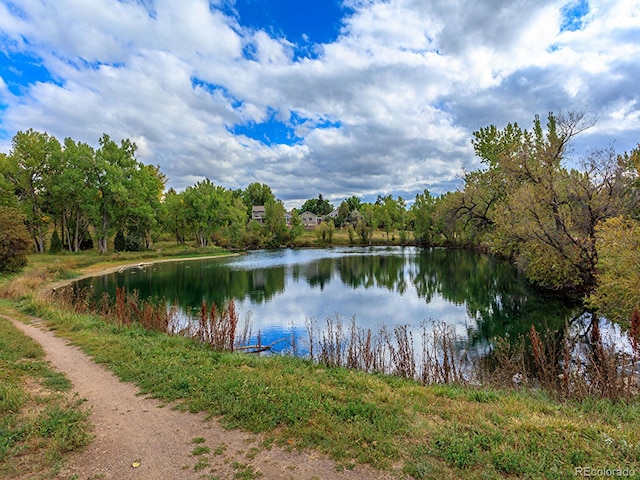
(131, 429)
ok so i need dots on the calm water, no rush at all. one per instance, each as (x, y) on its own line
(480, 297)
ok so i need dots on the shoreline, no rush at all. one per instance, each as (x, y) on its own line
(125, 266)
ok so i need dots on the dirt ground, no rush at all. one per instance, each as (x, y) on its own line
(139, 438)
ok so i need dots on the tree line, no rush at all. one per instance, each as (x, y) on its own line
(567, 228)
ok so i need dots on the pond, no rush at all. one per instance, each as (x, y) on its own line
(281, 292)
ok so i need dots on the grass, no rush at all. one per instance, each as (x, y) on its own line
(439, 431)
(39, 421)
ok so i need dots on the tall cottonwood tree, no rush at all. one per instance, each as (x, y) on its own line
(112, 168)
(72, 196)
(256, 194)
(31, 157)
(211, 209)
(274, 227)
(174, 215)
(422, 213)
(144, 193)
(7, 189)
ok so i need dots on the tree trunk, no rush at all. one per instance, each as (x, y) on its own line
(39, 240)
(102, 241)
(76, 234)
(66, 233)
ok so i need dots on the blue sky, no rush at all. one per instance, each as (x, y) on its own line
(338, 97)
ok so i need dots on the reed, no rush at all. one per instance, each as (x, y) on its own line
(216, 329)
(565, 365)
(634, 333)
(388, 352)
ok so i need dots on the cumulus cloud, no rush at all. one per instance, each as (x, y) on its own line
(386, 106)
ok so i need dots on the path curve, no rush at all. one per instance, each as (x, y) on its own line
(129, 427)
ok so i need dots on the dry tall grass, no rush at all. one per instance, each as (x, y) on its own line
(567, 364)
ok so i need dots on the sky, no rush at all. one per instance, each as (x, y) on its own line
(331, 97)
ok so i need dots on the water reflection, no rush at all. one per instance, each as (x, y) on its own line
(479, 296)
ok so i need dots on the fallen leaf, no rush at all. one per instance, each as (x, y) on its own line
(136, 464)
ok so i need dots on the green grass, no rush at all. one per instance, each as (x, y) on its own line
(39, 422)
(440, 431)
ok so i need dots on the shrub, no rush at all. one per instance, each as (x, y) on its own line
(133, 243)
(119, 242)
(55, 244)
(14, 241)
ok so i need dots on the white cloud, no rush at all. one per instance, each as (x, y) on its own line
(403, 86)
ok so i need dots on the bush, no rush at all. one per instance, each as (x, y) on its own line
(133, 243)
(55, 244)
(119, 242)
(14, 241)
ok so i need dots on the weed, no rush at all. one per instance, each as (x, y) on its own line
(245, 472)
(201, 464)
(65, 425)
(200, 450)
(251, 454)
(219, 450)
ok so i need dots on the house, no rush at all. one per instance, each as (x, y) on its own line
(310, 220)
(258, 213)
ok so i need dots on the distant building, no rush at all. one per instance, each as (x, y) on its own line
(310, 220)
(258, 213)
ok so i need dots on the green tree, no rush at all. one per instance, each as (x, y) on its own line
(114, 165)
(31, 158)
(389, 213)
(320, 206)
(257, 194)
(274, 227)
(14, 240)
(449, 228)
(72, 196)
(324, 233)
(144, 193)
(343, 213)
(351, 232)
(296, 228)
(354, 203)
(201, 201)
(236, 219)
(618, 288)
(422, 212)
(7, 190)
(174, 215)
(212, 209)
